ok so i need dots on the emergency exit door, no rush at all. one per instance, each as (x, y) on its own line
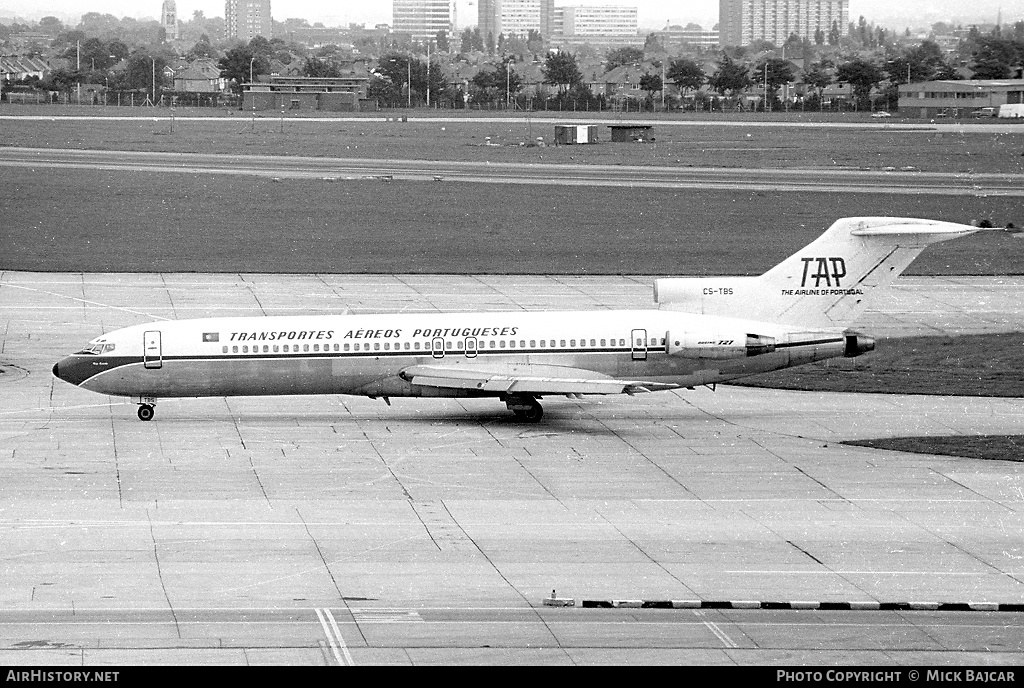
(152, 354)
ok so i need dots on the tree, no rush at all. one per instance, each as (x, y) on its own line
(442, 41)
(317, 67)
(534, 41)
(242, 64)
(774, 72)
(623, 56)
(833, 33)
(466, 41)
(560, 69)
(651, 83)
(819, 36)
(686, 74)
(731, 76)
(993, 58)
(51, 25)
(818, 76)
(862, 76)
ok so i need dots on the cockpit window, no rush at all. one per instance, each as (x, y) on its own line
(96, 348)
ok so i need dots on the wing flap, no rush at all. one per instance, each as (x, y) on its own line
(526, 381)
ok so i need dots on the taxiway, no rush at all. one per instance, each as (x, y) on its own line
(340, 530)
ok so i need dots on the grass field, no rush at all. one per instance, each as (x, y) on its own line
(990, 447)
(972, 365)
(77, 220)
(699, 146)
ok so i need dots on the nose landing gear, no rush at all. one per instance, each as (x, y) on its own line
(146, 409)
(525, 407)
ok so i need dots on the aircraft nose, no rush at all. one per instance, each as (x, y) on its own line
(74, 369)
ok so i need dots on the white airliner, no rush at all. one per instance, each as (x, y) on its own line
(704, 331)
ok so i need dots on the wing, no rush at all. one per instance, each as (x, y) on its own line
(527, 379)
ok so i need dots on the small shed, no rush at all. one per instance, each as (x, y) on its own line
(624, 133)
(575, 133)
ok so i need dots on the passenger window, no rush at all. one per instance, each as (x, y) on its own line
(561, 343)
(276, 348)
(407, 346)
(316, 347)
(245, 349)
(224, 349)
(108, 347)
(305, 347)
(376, 346)
(356, 346)
(622, 342)
(387, 346)
(346, 347)
(286, 348)
(502, 343)
(553, 343)
(533, 343)
(416, 346)
(511, 343)
(602, 342)
(572, 342)
(593, 342)
(448, 345)
(266, 348)
(541, 343)
(522, 343)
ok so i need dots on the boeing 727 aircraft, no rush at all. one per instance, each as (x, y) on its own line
(704, 331)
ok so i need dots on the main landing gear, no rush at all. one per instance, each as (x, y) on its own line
(526, 408)
(146, 409)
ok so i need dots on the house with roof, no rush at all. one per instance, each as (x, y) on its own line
(201, 76)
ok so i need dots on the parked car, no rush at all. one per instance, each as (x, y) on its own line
(880, 114)
(985, 112)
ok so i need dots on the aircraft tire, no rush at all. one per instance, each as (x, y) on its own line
(532, 414)
(146, 412)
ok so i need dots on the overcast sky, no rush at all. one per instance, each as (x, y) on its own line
(652, 13)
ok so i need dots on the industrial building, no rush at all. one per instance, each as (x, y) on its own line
(969, 98)
(335, 94)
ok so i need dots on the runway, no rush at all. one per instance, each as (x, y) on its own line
(906, 182)
(342, 531)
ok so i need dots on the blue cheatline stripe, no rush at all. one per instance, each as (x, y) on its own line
(865, 605)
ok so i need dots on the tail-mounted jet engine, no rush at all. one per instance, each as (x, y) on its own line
(718, 344)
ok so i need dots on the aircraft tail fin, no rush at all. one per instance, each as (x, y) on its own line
(828, 283)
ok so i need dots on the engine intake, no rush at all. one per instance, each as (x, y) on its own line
(718, 345)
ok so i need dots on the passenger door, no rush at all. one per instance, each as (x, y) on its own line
(152, 351)
(638, 342)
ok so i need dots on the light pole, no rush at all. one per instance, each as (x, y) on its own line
(408, 91)
(154, 80)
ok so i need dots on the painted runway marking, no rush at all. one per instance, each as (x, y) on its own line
(719, 633)
(333, 633)
(386, 616)
(85, 301)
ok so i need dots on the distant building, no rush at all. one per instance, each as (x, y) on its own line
(741, 22)
(202, 76)
(169, 19)
(931, 99)
(333, 94)
(515, 17)
(246, 19)
(692, 36)
(602, 27)
(421, 19)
